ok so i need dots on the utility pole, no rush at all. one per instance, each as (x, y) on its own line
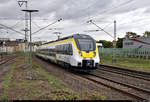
(114, 43)
(58, 34)
(114, 37)
(90, 21)
(26, 27)
(30, 55)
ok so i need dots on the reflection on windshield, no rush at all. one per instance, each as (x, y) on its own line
(86, 44)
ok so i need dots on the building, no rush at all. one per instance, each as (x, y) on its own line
(137, 42)
(6, 45)
(21, 46)
(9, 46)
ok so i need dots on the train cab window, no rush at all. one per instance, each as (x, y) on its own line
(86, 44)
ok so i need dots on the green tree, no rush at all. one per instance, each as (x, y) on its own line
(131, 35)
(119, 43)
(106, 44)
(146, 34)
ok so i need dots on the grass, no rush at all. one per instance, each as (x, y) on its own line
(7, 80)
(4, 97)
(126, 62)
(24, 83)
(61, 92)
(58, 86)
(18, 85)
(51, 79)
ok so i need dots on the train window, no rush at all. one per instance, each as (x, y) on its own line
(70, 49)
(57, 48)
(67, 49)
(86, 44)
(63, 49)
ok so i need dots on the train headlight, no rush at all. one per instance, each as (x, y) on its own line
(94, 54)
(80, 53)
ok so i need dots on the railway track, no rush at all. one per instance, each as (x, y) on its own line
(7, 59)
(132, 73)
(127, 89)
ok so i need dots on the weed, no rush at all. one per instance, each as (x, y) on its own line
(36, 93)
(29, 95)
(4, 97)
(126, 62)
(97, 96)
(31, 86)
(24, 83)
(14, 84)
(92, 96)
(7, 80)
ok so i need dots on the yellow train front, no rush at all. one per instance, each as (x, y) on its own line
(77, 52)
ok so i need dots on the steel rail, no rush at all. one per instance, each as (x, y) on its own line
(129, 71)
(117, 89)
(123, 73)
(125, 84)
(3, 61)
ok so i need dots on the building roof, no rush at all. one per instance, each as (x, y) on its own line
(11, 43)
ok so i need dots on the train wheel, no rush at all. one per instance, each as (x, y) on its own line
(67, 66)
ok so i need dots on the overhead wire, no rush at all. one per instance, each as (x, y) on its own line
(115, 7)
(107, 25)
(45, 27)
(50, 24)
(122, 4)
(11, 29)
(108, 10)
(35, 24)
(16, 23)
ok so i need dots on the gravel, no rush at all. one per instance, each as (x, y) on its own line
(125, 79)
(80, 84)
(4, 69)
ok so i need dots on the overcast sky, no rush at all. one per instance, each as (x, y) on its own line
(130, 15)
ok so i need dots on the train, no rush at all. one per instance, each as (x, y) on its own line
(77, 52)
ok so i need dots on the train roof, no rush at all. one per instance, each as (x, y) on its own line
(84, 36)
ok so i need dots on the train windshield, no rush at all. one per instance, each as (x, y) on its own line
(86, 44)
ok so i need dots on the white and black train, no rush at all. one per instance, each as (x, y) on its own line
(78, 52)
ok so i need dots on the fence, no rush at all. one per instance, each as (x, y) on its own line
(126, 52)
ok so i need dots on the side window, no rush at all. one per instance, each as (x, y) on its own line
(64, 49)
(67, 49)
(70, 49)
(56, 48)
(61, 49)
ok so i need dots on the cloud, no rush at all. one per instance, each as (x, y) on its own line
(131, 15)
